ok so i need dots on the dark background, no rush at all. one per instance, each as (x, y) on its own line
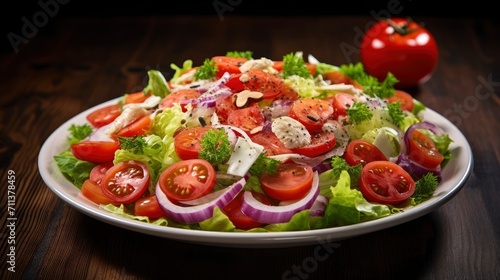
(13, 14)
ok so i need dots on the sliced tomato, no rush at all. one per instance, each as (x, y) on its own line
(126, 181)
(138, 127)
(105, 115)
(290, 182)
(95, 151)
(386, 182)
(321, 142)
(341, 102)
(92, 191)
(271, 143)
(136, 97)
(228, 64)
(187, 143)
(269, 84)
(224, 106)
(98, 172)
(423, 151)
(247, 118)
(359, 151)
(148, 206)
(404, 98)
(181, 96)
(237, 217)
(336, 77)
(234, 83)
(278, 65)
(311, 112)
(187, 180)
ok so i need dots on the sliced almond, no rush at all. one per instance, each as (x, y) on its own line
(243, 96)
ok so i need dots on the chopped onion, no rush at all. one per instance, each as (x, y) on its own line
(198, 213)
(278, 214)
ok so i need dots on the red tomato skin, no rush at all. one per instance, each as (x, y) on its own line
(187, 180)
(137, 128)
(247, 118)
(237, 217)
(311, 112)
(136, 97)
(412, 57)
(341, 102)
(148, 206)
(93, 192)
(187, 143)
(269, 84)
(291, 181)
(98, 172)
(404, 98)
(104, 116)
(386, 182)
(224, 106)
(228, 64)
(423, 151)
(321, 143)
(126, 181)
(362, 152)
(182, 96)
(95, 151)
(271, 143)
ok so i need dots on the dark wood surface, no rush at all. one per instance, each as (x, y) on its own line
(74, 63)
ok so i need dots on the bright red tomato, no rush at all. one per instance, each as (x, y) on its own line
(404, 98)
(311, 112)
(290, 182)
(362, 152)
(341, 102)
(269, 84)
(187, 143)
(187, 179)
(98, 172)
(92, 191)
(105, 115)
(148, 206)
(386, 182)
(224, 106)
(138, 127)
(402, 47)
(237, 217)
(126, 181)
(95, 151)
(234, 83)
(247, 118)
(321, 143)
(228, 64)
(423, 151)
(182, 96)
(271, 143)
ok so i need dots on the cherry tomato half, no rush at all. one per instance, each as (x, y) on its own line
(187, 179)
(269, 84)
(182, 96)
(341, 102)
(105, 115)
(386, 182)
(148, 206)
(423, 151)
(126, 181)
(311, 112)
(362, 152)
(290, 182)
(98, 172)
(402, 47)
(247, 118)
(404, 98)
(321, 143)
(271, 143)
(237, 217)
(95, 151)
(187, 143)
(228, 64)
(93, 192)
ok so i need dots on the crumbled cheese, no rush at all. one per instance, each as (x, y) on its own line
(262, 64)
(291, 132)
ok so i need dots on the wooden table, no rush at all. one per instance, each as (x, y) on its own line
(72, 64)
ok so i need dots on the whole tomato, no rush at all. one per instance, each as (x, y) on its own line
(402, 47)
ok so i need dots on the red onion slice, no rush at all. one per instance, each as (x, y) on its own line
(198, 213)
(278, 214)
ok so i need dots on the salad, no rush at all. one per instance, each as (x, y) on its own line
(252, 144)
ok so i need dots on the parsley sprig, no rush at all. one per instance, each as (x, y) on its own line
(215, 146)
(294, 64)
(359, 112)
(206, 71)
(371, 85)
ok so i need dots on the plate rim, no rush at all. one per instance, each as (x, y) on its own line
(52, 178)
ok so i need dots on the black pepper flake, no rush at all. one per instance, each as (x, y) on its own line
(202, 121)
(312, 118)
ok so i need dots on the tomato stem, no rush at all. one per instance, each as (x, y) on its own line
(402, 29)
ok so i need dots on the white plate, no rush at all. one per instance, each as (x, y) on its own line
(455, 175)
